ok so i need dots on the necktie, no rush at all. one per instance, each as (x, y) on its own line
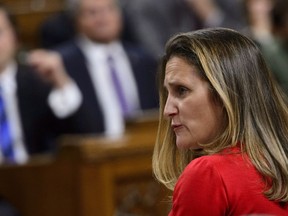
(118, 88)
(5, 134)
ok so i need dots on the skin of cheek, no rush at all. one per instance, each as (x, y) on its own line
(187, 136)
(201, 122)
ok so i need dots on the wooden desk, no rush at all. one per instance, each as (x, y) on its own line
(90, 176)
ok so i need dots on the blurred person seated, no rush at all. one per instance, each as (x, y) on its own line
(60, 27)
(219, 13)
(152, 23)
(276, 51)
(34, 110)
(268, 28)
(116, 79)
(259, 23)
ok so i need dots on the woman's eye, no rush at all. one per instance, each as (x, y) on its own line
(181, 90)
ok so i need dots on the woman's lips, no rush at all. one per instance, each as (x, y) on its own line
(176, 127)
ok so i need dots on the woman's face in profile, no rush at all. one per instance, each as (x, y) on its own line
(195, 116)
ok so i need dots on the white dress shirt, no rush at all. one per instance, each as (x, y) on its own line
(97, 55)
(8, 86)
(63, 103)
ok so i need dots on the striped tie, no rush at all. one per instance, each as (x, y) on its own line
(5, 135)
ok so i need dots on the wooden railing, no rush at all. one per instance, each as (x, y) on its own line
(90, 176)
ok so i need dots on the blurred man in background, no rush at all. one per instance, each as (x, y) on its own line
(116, 79)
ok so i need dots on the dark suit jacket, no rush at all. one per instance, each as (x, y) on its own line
(40, 127)
(144, 69)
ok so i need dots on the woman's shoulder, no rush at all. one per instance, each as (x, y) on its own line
(201, 183)
(229, 157)
(229, 179)
(227, 167)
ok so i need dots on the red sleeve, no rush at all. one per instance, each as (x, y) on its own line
(199, 191)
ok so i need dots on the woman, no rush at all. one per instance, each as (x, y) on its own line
(223, 131)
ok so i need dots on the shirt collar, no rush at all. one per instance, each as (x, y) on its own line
(112, 48)
(8, 78)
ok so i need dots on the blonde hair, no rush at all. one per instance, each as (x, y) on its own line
(256, 113)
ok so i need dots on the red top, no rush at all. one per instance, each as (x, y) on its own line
(222, 184)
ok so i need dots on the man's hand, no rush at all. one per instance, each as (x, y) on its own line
(49, 65)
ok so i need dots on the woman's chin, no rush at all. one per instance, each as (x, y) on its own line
(184, 145)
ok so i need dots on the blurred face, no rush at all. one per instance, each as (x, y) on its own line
(195, 116)
(8, 42)
(259, 8)
(100, 20)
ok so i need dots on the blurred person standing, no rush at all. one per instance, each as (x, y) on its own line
(116, 79)
(60, 27)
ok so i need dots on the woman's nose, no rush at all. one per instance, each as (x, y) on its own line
(170, 108)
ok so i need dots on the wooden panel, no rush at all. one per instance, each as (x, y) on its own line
(32, 6)
(45, 189)
(97, 191)
(29, 15)
(29, 25)
(141, 195)
(90, 176)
